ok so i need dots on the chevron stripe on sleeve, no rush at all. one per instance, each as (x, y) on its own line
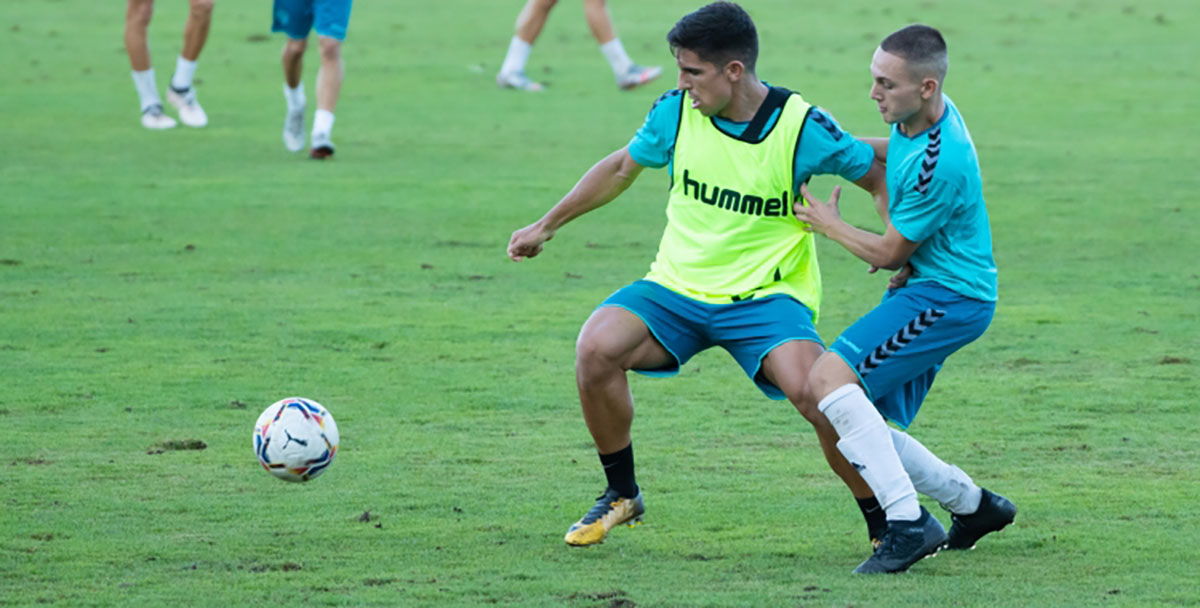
(929, 163)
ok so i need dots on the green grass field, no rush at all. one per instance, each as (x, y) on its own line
(166, 286)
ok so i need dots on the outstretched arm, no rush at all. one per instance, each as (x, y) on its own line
(605, 181)
(889, 250)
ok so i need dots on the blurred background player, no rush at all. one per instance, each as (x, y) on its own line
(296, 18)
(529, 24)
(180, 93)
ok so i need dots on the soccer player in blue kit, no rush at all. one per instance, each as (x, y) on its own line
(296, 18)
(883, 365)
(734, 268)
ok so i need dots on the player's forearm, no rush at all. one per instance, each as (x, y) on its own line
(875, 183)
(605, 181)
(866, 246)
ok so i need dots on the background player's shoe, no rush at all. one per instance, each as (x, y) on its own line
(517, 80)
(610, 511)
(637, 76)
(153, 118)
(322, 146)
(994, 513)
(905, 544)
(190, 112)
(293, 130)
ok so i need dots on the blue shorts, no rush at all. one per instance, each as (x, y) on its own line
(748, 330)
(898, 348)
(296, 17)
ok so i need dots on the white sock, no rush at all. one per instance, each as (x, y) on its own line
(866, 443)
(295, 97)
(184, 70)
(322, 122)
(518, 55)
(146, 89)
(934, 478)
(617, 57)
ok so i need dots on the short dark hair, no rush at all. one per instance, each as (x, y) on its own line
(718, 33)
(922, 47)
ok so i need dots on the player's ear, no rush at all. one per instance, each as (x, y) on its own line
(734, 70)
(929, 87)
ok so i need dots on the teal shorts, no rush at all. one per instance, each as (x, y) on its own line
(297, 17)
(747, 330)
(898, 348)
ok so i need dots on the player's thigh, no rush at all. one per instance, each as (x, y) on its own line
(787, 367)
(292, 17)
(676, 324)
(615, 337)
(898, 347)
(332, 18)
(752, 331)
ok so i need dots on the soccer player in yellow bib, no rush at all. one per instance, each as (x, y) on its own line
(734, 269)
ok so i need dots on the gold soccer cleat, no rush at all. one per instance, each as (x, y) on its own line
(611, 510)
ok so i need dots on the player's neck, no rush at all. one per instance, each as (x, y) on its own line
(926, 118)
(745, 101)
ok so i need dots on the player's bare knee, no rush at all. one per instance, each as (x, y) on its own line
(829, 373)
(593, 354)
(798, 394)
(139, 13)
(331, 49)
(202, 9)
(294, 47)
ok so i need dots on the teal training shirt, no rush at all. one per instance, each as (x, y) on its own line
(825, 149)
(937, 200)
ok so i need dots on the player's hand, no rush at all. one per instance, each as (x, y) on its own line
(818, 215)
(527, 242)
(898, 280)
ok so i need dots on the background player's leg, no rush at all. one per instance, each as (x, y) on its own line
(787, 367)
(181, 94)
(195, 31)
(627, 73)
(329, 86)
(293, 93)
(529, 26)
(137, 20)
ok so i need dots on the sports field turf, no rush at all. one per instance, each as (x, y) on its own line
(163, 287)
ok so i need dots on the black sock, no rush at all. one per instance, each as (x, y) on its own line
(618, 468)
(875, 515)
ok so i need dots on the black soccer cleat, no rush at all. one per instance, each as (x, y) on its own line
(994, 513)
(904, 544)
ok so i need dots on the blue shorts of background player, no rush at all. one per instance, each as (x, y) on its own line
(297, 18)
(897, 349)
(747, 330)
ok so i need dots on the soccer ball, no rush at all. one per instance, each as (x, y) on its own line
(295, 439)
